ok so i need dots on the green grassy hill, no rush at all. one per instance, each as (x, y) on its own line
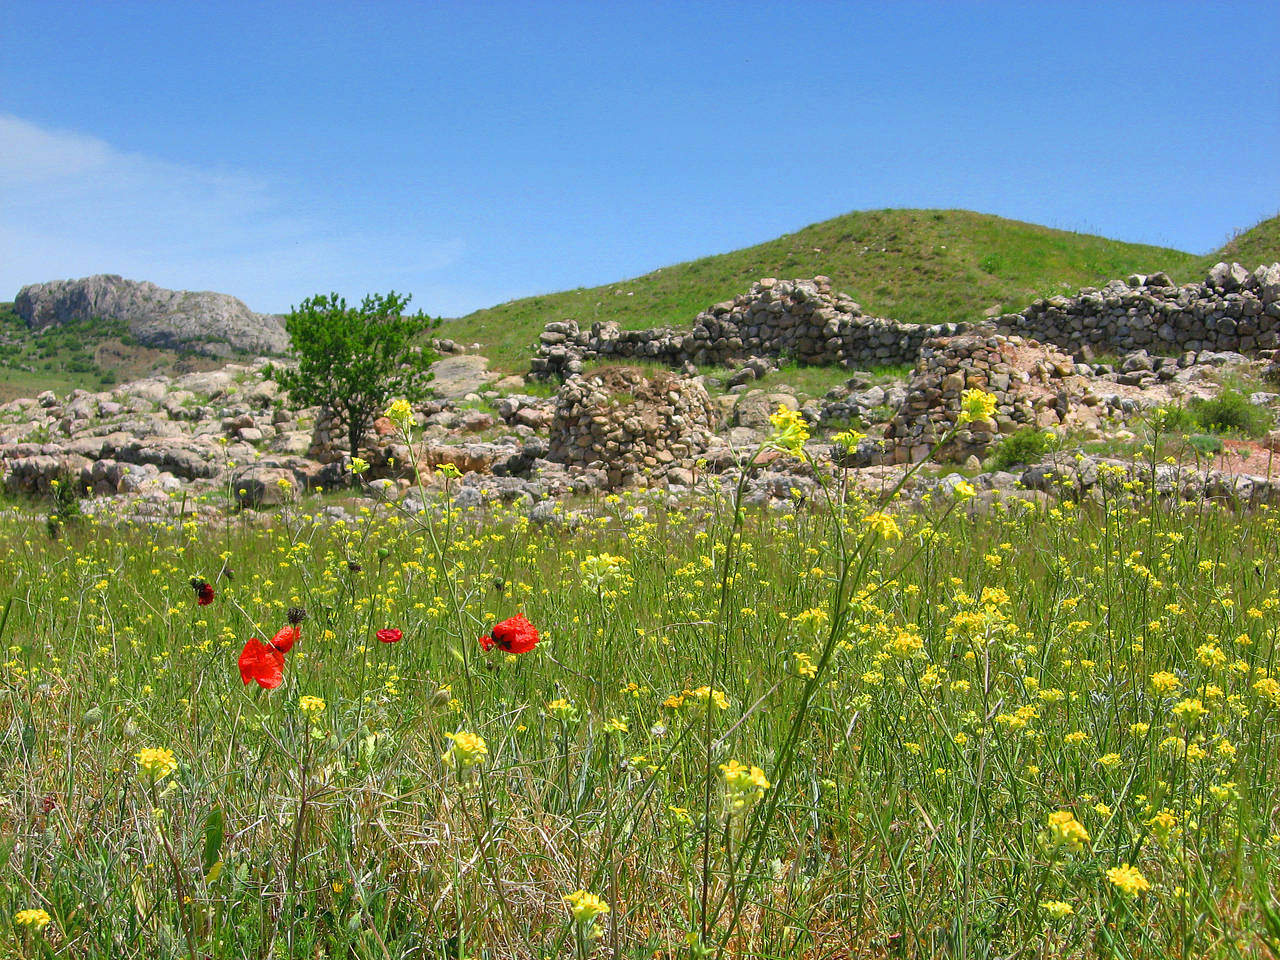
(919, 266)
(1259, 244)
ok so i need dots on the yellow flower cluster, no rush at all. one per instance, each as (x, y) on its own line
(976, 405)
(38, 919)
(1057, 908)
(585, 907)
(885, 524)
(1066, 832)
(562, 709)
(743, 785)
(1128, 880)
(848, 440)
(401, 414)
(701, 699)
(311, 706)
(1165, 682)
(599, 569)
(801, 665)
(156, 762)
(468, 750)
(790, 431)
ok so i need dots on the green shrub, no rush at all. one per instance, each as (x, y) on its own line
(1230, 412)
(1205, 444)
(1026, 446)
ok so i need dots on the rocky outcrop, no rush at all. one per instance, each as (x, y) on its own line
(213, 324)
(800, 319)
(1233, 309)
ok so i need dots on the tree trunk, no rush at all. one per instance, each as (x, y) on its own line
(355, 430)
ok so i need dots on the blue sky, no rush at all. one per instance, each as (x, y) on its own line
(473, 152)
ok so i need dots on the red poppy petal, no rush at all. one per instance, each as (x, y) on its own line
(262, 664)
(271, 672)
(285, 638)
(486, 642)
(389, 635)
(515, 634)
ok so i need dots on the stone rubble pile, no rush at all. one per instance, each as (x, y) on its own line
(1034, 385)
(1233, 309)
(800, 319)
(635, 428)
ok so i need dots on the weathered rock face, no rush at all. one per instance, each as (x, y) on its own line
(213, 324)
(1034, 385)
(632, 426)
(1233, 309)
(796, 318)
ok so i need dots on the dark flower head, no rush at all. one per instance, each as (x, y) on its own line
(354, 566)
(204, 591)
(513, 635)
(296, 615)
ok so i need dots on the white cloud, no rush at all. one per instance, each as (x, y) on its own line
(72, 205)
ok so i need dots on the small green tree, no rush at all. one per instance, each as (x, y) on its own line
(354, 361)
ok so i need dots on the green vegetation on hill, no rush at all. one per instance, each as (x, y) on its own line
(1259, 244)
(86, 354)
(918, 266)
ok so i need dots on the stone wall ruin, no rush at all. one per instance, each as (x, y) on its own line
(800, 319)
(634, 426)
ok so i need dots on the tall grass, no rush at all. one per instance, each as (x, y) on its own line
(919, 707)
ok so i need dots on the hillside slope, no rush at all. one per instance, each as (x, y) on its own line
(919, 266)
(1259, 244)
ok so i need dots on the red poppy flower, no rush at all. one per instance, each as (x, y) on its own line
(263, 663)
(389, 635)
(513, 635)
(204, 591)
(286, 637)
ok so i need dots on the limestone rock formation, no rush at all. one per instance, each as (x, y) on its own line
(213, 324)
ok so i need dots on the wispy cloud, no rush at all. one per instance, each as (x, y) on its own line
(72, 205)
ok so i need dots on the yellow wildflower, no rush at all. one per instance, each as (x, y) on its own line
(39, 919)
(156, 762)
(585, 907)
(884, 524)
(743, 785)
(976, 405)
(468, 750)
(1128, 880)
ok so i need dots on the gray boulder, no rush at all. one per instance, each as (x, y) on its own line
(213, 324)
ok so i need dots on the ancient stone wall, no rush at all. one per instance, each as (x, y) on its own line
(801, 319)
(1233, 309)
(633, 426)
(1034, 385)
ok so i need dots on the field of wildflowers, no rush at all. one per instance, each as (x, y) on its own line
(853, 729)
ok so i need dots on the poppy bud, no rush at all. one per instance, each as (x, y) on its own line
(383, 553)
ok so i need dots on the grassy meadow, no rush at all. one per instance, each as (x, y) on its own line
(848, 729)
